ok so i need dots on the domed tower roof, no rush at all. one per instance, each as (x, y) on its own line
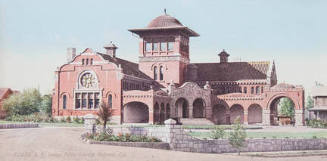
(164, 21)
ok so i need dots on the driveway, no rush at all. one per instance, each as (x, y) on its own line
(64, 144)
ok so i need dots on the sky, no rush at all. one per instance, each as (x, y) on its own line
(35, 34)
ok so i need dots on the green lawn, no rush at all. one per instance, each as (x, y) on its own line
(215, 126)
(306, 135)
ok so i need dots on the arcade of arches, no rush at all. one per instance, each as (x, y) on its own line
(260, 111)
(183, 109)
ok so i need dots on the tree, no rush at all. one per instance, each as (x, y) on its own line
(104, 114)
(309, 103)
(286, 107)
(237, 136)
(25, 103)
(46, 104)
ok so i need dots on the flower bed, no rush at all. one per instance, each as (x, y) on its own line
(125, 140)
(121, 138)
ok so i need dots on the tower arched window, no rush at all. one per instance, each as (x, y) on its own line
(110, 100)
(257, 89)
(161, 73)
(64, 102)
(245, 90)
(155, 73)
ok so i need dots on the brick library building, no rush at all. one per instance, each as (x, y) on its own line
(166, 84)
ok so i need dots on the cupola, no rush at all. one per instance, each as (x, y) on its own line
(223, 56)
(111, 49)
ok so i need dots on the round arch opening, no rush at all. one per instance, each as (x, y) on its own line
(136, 112)
(198, 108)
(182, 109)
(282, 111)
(219, 114)
(254, 114)
(236, 111)
(156, 113)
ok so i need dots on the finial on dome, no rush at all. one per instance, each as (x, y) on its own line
(165, 11)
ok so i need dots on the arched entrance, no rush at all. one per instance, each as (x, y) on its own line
(236, 111)
(136, 112)
(156, 113)
(162, 113)
(219, 114)
(182, 110)
(254, 114)
(198, 108)
(167, 111)
(282, 111)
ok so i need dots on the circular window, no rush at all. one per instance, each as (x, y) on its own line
(88, 80)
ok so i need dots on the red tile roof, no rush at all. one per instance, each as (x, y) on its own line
(164, 21)
(129, 68)
(231, 71)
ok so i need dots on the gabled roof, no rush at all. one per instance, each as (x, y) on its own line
(3, 92)
(230, 71)
(128, 68)
(319, 91)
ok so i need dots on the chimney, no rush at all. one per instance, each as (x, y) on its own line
(111, 49)
(223, 56)
(71, 53)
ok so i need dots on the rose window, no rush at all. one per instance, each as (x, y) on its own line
(88, 80)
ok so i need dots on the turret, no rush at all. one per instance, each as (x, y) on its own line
(111, 49)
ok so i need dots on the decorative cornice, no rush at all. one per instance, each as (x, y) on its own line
(176, 57)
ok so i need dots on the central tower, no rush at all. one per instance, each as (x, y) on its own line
(164, 49)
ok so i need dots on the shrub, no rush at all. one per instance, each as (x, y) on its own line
(82, 121)
(104, 114)
(237, 136)
(121, 138)
(25, 103)
(76, 119)
(36, 117)
(317, 123)
(62, 120)
(68, 119)
(217, 133)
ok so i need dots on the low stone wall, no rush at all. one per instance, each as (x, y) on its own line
(18, 125)
(179, 140)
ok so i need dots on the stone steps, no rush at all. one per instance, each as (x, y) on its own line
(196, 121)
